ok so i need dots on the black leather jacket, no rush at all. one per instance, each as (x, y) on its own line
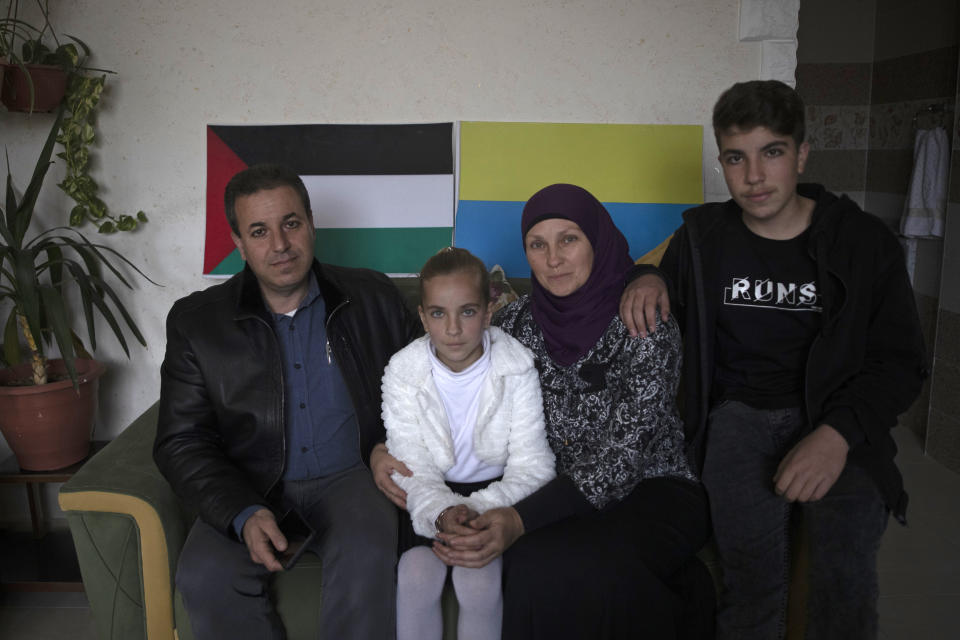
(220, 436)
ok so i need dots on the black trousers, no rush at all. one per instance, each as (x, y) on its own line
(613, 574)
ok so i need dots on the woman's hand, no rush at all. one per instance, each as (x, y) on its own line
(491, 534)
(639, 302)
(382, 464)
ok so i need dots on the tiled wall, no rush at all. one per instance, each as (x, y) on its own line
(837, 96)
(834, 74)
(943, 427)
(901, 88)
(861, 104)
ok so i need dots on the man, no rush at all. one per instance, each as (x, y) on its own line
(270, 402)
(802, 346)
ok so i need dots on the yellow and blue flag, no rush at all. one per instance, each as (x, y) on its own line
(645, 175)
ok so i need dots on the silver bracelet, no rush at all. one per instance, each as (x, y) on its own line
(436, 523)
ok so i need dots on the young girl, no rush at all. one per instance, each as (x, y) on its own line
(462, 409)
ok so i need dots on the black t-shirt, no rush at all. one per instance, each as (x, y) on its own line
(768, 316)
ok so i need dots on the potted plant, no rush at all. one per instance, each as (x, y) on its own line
(35, 77)
(37, 277)
(30, 63)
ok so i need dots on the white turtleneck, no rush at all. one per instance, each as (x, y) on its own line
(460, 393)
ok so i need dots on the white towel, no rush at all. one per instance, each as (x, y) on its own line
(925, 208)
(910, 255)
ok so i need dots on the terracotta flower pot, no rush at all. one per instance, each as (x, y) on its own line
(49, 426)
(49, 85)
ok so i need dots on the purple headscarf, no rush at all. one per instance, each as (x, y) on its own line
(572, 324)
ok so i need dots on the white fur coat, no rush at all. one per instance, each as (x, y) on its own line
(509, 430)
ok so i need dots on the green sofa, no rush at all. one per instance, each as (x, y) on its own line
(129, 527)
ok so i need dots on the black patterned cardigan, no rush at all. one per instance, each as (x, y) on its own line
(611, 417)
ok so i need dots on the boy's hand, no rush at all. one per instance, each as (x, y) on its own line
(382, 464)
(812, 466)
(639, 302)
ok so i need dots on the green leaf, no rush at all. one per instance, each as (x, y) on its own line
(83, 45)
(107, 227)
(24, 212)
(126, 223)
(80, 348)
(35, 52)
(81, 159)
(141, 216)
(8, 221)
(93, 260)
(11, 339)
(92, 292)
(99, 250)
(123, 312)
(68, 55)
(78, 215)
(55, 265)
(87, 295)
(69, 186)
(60, 324)
(97, 207)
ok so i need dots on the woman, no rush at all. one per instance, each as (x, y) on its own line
(593, 553)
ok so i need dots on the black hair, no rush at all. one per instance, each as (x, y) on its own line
(760, 103)
(261, 177)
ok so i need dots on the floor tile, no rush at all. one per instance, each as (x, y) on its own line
(43, 623)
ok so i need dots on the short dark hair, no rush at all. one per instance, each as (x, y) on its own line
(760, 103)
(261, 177)
(454, 260)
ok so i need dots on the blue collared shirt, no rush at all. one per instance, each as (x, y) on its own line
(321, 430)
(321, 424)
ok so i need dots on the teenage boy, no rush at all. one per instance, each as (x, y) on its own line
(802, 346)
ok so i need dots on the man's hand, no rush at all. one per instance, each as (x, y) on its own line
(454, 520)
(639, 302)
(382, 464)
(811, 467)
(493, 533)
(262, 535)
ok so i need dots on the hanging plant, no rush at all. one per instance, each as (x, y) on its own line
(77, 134)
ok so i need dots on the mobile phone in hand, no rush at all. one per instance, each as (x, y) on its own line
(299, 535)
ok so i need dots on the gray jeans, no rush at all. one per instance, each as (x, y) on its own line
(751, 524)
(226, 594)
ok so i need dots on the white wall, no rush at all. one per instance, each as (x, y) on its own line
(183, 64)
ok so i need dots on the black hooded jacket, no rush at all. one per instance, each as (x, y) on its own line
(865, 366)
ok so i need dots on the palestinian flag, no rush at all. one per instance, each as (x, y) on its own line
(646, 176)
(382, 195)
